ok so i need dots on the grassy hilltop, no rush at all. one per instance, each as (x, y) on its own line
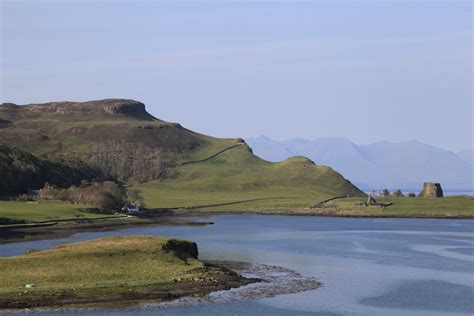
(170, 165)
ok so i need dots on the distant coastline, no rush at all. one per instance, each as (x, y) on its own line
(448, 192)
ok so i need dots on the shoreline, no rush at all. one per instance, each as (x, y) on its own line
(25, 234)
(306, 212)
(171, 218)
(247, 281)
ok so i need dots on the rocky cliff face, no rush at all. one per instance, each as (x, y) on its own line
(431, 190)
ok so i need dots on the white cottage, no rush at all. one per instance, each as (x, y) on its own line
(131, 209)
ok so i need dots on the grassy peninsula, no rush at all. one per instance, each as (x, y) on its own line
(124, 269)
(446, 207)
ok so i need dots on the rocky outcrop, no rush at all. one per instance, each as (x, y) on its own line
(182, 248)
(9, 107)
(431, 189)
(125, 107)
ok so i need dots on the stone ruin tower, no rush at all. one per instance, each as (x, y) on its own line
(431, 189)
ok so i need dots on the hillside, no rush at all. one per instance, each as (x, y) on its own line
(21, 171)
(238, 179)
(117, 138)
(384, 164)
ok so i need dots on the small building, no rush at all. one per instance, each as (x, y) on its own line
(131, 209)
(33, 195)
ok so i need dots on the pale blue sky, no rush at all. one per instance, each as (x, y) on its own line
(367, 71)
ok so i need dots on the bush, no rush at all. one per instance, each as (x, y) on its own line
(95, 195)
(411, 194)
(105, 195)
(10, 221)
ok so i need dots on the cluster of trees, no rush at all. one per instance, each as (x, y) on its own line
(126, 161)
(21, 171)
(106, 195)
(396, 193)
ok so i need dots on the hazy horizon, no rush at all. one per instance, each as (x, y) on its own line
(349, 140)
(405, 165)
(389, 72)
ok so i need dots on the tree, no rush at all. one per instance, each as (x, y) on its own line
(398, 193)
(386, 192)
(411, 194)
(135, 198)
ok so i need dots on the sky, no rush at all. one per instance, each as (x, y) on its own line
(364, 70)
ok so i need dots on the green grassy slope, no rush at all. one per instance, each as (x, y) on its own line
(452, 206)
(89, 263)
(237, 175)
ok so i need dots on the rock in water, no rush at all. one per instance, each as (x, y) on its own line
(431, 189)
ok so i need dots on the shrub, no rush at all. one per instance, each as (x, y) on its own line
(22, 198)
(105, 195)
(94, 195)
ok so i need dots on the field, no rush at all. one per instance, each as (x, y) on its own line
(453, 206)
(161, 196)
(128, 268)
(44, 211)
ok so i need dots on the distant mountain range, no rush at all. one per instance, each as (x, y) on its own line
(404, 165)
